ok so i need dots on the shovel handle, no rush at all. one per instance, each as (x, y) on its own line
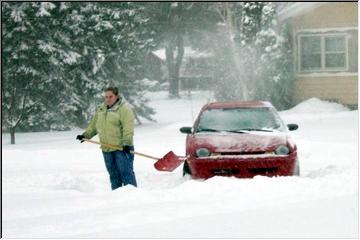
(118, 148)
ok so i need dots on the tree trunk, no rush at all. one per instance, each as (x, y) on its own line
(179, 57)
(12, 134)
(169, 51)
(174, 64)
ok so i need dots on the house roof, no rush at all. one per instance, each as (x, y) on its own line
(298, 8)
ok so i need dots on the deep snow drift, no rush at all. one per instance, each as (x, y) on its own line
(55, 187)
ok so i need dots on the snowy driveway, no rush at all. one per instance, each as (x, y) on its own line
(56, 187)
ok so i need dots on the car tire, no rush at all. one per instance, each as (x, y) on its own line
(186, 169)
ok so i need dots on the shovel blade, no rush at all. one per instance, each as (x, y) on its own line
(169, 162)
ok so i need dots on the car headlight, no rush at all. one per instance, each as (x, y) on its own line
(202, 152)
(282, 150)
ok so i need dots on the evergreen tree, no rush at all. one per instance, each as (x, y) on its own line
(58, 57)
(30, 89)
(123, 39)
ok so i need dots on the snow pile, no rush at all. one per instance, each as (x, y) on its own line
(69, 182)
(316, 109)
(316, 106)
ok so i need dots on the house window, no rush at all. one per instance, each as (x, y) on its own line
(322, 53)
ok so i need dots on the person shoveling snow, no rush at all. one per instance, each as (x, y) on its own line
(114, 122)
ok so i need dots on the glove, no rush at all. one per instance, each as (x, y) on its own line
(126, 149)
(80, 137)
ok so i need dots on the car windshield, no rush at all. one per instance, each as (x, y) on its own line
(240, 120)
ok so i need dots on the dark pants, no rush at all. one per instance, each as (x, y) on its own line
(120, 168)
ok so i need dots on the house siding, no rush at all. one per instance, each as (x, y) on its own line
(334, 14)
(327, 19)
(343, 89)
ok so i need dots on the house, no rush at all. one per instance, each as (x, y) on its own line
(325, 49)
(153, 65)
(193, 73)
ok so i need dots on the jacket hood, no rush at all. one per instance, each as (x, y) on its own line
(117, 104)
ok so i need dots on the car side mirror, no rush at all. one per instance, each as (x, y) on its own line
(186, 130)
(292, 126)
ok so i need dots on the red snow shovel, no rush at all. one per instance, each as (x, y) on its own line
(168, 163)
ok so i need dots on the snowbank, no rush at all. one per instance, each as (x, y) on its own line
(316, 106)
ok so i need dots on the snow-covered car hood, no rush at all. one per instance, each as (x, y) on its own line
(234, 142)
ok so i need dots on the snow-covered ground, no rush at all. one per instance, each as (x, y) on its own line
(54, 187)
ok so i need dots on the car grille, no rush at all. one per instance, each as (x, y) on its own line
(262, 170)
(253, 171)
(225, 171)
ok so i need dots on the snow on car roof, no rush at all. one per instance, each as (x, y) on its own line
(235, 104)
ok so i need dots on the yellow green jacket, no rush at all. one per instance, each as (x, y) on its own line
(115, 125)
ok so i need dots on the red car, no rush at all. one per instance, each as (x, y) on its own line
(241, 139)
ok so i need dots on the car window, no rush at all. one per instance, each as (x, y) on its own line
(240, 118)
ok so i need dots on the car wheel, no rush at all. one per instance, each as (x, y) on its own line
(186, 169)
